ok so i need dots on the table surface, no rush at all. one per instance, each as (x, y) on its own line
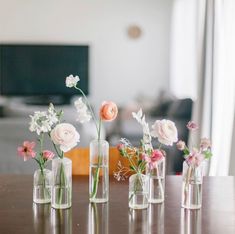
(19, 215)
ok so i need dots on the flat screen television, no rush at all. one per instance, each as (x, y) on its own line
(38, 71)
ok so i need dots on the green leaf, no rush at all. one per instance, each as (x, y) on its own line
(132, 168)
(139, 162)
(186, 151)
(207, 154)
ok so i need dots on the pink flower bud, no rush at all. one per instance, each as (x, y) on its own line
(180, 145)
(205, 143)
(192, 126)
(47, 154)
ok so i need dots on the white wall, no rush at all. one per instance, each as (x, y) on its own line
(120, 68)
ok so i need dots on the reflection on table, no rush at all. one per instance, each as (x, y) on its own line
(190, 221)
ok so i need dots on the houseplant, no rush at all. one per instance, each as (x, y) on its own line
(193, 170)
(99, 148)
(51, 187)
(147, 165)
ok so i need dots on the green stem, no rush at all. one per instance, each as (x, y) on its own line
(159, 182)
(97, 172)
(62, 183)
(186, 188)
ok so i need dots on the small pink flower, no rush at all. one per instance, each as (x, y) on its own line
(47, 154)
(152, 160)
(146, 158)
(26, 150)
(195, 158)
(205, 143)
(120, 147)
(180, 145)
(192, 126)
(156, 155)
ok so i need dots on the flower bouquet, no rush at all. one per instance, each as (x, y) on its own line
(99, 148)
(148, 187)
(193, 170)
(63, 137)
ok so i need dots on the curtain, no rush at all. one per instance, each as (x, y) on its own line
(211, 71)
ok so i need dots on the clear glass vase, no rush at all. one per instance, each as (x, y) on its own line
(192, 186)
(138, 191)
(157, 182)
(42, 186)
(61, 183)
(99, 171)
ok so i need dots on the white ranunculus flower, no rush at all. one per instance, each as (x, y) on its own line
(165, 131)
(71, 81)
(65, 135)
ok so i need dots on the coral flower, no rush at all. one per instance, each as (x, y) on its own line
(108, 111)
(26, 150)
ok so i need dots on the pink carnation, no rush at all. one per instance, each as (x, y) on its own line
(152, 160)
(47, 154)
(195, 158)
(26, 150)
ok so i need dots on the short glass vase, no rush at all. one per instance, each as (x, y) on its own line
(61, 183)
(157, 181)
(99, 171)
(42, 186)
(138, 191)
(192, 186)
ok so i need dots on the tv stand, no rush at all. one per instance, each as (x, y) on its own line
(46, 100)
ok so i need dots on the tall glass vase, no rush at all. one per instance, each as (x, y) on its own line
(42, 186)
(157, 182)
(138, 191)
(61, 183)
(99, 171)
(192, 186)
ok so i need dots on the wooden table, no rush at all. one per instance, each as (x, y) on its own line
(19, 215)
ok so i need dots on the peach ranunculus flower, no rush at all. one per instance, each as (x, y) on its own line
(47, 154)
(108, 111)
(65, 135)
(166, 131)
(26, 150)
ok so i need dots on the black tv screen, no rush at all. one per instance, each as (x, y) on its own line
(31, 70)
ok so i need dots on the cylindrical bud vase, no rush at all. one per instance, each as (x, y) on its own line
(157, 181)
(99, 171)
(192, 186)
(61, 183)
(138, 191)
(42, 186)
